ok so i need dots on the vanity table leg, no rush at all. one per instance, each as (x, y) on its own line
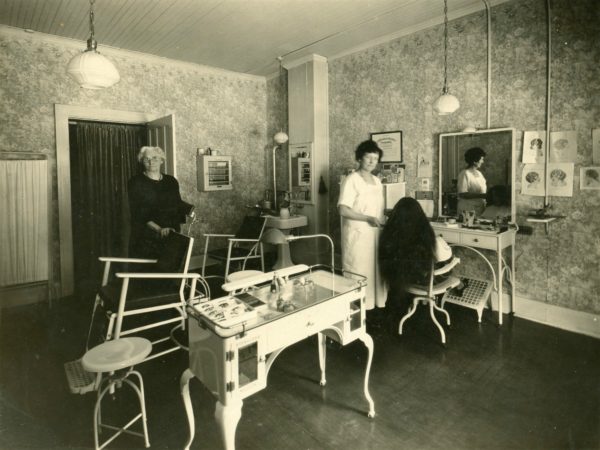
(184, 385)
(513, 281)
(500, 284)
(368, 341)
(322, 356)
(228, 417)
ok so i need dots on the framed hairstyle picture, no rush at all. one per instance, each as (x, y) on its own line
(390, 142)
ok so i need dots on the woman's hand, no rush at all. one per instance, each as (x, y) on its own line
(374, 221)
(164, 232)
(349, 213)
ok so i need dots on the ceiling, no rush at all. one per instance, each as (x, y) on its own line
(244, 36)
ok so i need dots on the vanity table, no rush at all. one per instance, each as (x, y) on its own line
(232, 356)
(499, 172)
(475, 239)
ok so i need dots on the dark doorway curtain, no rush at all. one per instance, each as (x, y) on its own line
(103, 158)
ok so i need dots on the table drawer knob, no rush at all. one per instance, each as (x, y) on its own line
(309, 324)
(475, 240)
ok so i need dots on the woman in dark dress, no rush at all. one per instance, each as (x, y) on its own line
(155, 205)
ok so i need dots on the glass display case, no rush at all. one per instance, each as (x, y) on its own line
(232, 356)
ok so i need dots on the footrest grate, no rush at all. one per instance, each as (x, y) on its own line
(474, 295)
(80, 381)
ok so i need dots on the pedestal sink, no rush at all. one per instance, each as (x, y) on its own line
(294, 221)
(285, 225)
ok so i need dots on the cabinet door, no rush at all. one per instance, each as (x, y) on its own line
(248, 362)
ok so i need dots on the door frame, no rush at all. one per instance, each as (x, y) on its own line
(64, 113)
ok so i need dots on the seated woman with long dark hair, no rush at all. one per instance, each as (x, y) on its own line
(407, 247)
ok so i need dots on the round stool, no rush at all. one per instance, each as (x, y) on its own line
(240, 275)
(111, 358)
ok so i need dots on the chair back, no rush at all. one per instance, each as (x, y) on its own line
(439, 271)
(176, 253)
(252, 227)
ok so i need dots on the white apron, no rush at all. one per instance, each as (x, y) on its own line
(359, 239)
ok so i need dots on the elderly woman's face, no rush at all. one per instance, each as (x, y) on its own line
(369, 161)
(152, 161)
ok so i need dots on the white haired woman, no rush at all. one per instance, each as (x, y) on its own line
(155, 205)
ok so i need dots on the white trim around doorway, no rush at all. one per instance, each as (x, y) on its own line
(64, 113)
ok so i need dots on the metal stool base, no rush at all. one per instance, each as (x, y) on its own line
(109, 384)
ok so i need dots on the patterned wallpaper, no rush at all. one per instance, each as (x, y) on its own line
(392, 87)
(223, 110)
(388, 87)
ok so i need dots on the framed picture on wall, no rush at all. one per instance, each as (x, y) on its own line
(390, 142)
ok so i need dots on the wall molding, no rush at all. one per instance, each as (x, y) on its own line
(63, 113)
(559, 317)
(555, 316)
(24, 294)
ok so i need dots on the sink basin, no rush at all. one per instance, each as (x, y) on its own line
(294, 221)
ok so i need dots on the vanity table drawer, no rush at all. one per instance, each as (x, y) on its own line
(478, 240)
(450, 236)
(295, 327)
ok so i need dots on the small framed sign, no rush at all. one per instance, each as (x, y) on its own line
(390, 142)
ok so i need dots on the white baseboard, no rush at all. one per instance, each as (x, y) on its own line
(24, 294)
(552, 315)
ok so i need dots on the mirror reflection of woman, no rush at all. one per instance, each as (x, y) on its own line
(361, 207)
(472, 186)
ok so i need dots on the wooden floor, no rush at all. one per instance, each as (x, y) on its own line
(521, 386)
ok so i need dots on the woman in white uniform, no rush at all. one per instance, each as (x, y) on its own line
(361, 207)
(471, 185)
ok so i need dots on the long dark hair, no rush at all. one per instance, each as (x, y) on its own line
(406, 245)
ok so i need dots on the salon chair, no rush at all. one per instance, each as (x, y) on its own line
(429, 294)
(151, 303)
(242, 246)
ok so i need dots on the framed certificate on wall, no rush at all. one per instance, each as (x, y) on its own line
(390, 142)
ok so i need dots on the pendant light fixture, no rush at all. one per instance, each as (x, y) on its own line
(90, 69)
(446, 103)
(280, 137)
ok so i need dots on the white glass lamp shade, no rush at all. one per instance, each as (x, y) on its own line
(91, 70)
(446, 104)
(280, 138)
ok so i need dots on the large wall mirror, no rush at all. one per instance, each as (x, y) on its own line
(498, 167)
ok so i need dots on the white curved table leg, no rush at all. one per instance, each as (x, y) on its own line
(184, 385)
(500, 287)
(322, 355)
(228, 417)
(368, 341)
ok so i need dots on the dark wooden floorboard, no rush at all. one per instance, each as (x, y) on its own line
(519, 386)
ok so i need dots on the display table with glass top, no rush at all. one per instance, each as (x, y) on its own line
(234, 340)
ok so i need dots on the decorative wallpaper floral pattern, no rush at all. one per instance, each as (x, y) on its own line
(392, 87)
(388, 87)
(221, 110)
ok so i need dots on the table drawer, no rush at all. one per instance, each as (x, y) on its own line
(450, 236)
(295, 327)
(478, 240)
